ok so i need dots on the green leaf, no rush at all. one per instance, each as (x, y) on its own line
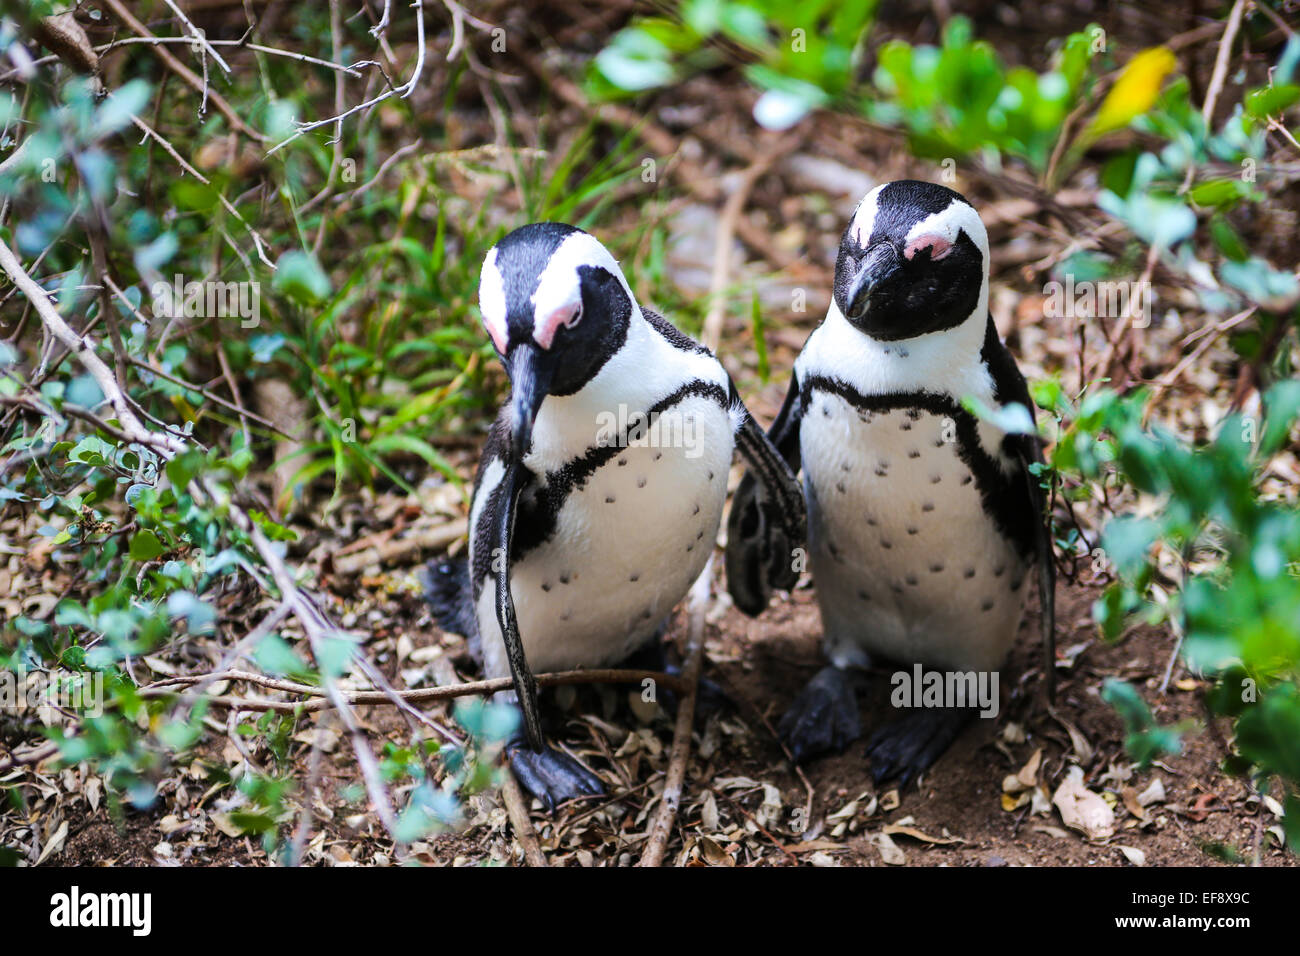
(274, 655)
(145, 546)
(119, 106)
(299, 276)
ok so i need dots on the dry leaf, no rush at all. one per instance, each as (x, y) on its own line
(898, 829)
(1133, 855)
(889, 850)
(1083, 810)
(713, 854)
(1131, 803)
(1155, 793)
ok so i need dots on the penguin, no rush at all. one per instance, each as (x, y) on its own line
(924, 518)
(601, 486)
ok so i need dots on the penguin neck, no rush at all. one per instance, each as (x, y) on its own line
(640, 373)
(946, 362)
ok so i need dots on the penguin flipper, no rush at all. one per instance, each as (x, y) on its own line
(551, 775)
(503, 534)
(823, 717)
(910, 745)
(768, 520)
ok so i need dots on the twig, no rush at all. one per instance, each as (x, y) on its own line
(83, 347)
(402, 91)
(258, 242)
(197, 35)
(662, 824)
(321, 700)
(711, 334)
(517, 810)
(18, 758)
(1221, 61)
(184, 72)
(394, 551)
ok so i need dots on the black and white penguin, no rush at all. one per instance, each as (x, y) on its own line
(603, 480)
(924, 519)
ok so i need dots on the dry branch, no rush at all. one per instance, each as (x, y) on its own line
(662, 824)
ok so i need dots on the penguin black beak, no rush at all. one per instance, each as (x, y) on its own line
(530, 381)
(880, 262)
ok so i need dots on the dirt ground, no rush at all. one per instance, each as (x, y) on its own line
(745, 803)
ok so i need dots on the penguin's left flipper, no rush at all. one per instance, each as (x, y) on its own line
(503, 534)
(911, 745)
(768, 521)
(551, 775)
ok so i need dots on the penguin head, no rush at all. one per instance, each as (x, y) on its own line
(556, 306)
(914, 260)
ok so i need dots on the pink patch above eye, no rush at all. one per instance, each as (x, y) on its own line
(544, 331)
(497, 331)
(938, 246)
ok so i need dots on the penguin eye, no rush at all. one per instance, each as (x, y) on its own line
(575, 318)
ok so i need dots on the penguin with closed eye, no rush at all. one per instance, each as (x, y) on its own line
(601, 487)
(924, 518)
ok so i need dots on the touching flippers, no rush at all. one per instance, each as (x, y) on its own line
(767, 529)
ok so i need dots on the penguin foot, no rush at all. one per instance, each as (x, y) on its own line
(823, 717)
(910, 745)
(551, 776)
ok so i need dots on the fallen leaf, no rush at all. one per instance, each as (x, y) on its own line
(889, 850)
(1083, 810)
(1132, 805)
(1133, 855)
(55, 843)
(713, 854)
(896, 829)
(1154, 793)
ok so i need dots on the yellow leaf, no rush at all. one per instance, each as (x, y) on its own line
(1135, 91)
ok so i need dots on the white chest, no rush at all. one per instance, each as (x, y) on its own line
(906, 562)
(628, 544)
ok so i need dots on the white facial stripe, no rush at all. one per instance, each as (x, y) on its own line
(492, 300)
(558, 290)
(864, 217)
(956, 218)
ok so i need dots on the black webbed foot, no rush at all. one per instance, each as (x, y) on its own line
(552, 776)
(911, 744)
(823, 717)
